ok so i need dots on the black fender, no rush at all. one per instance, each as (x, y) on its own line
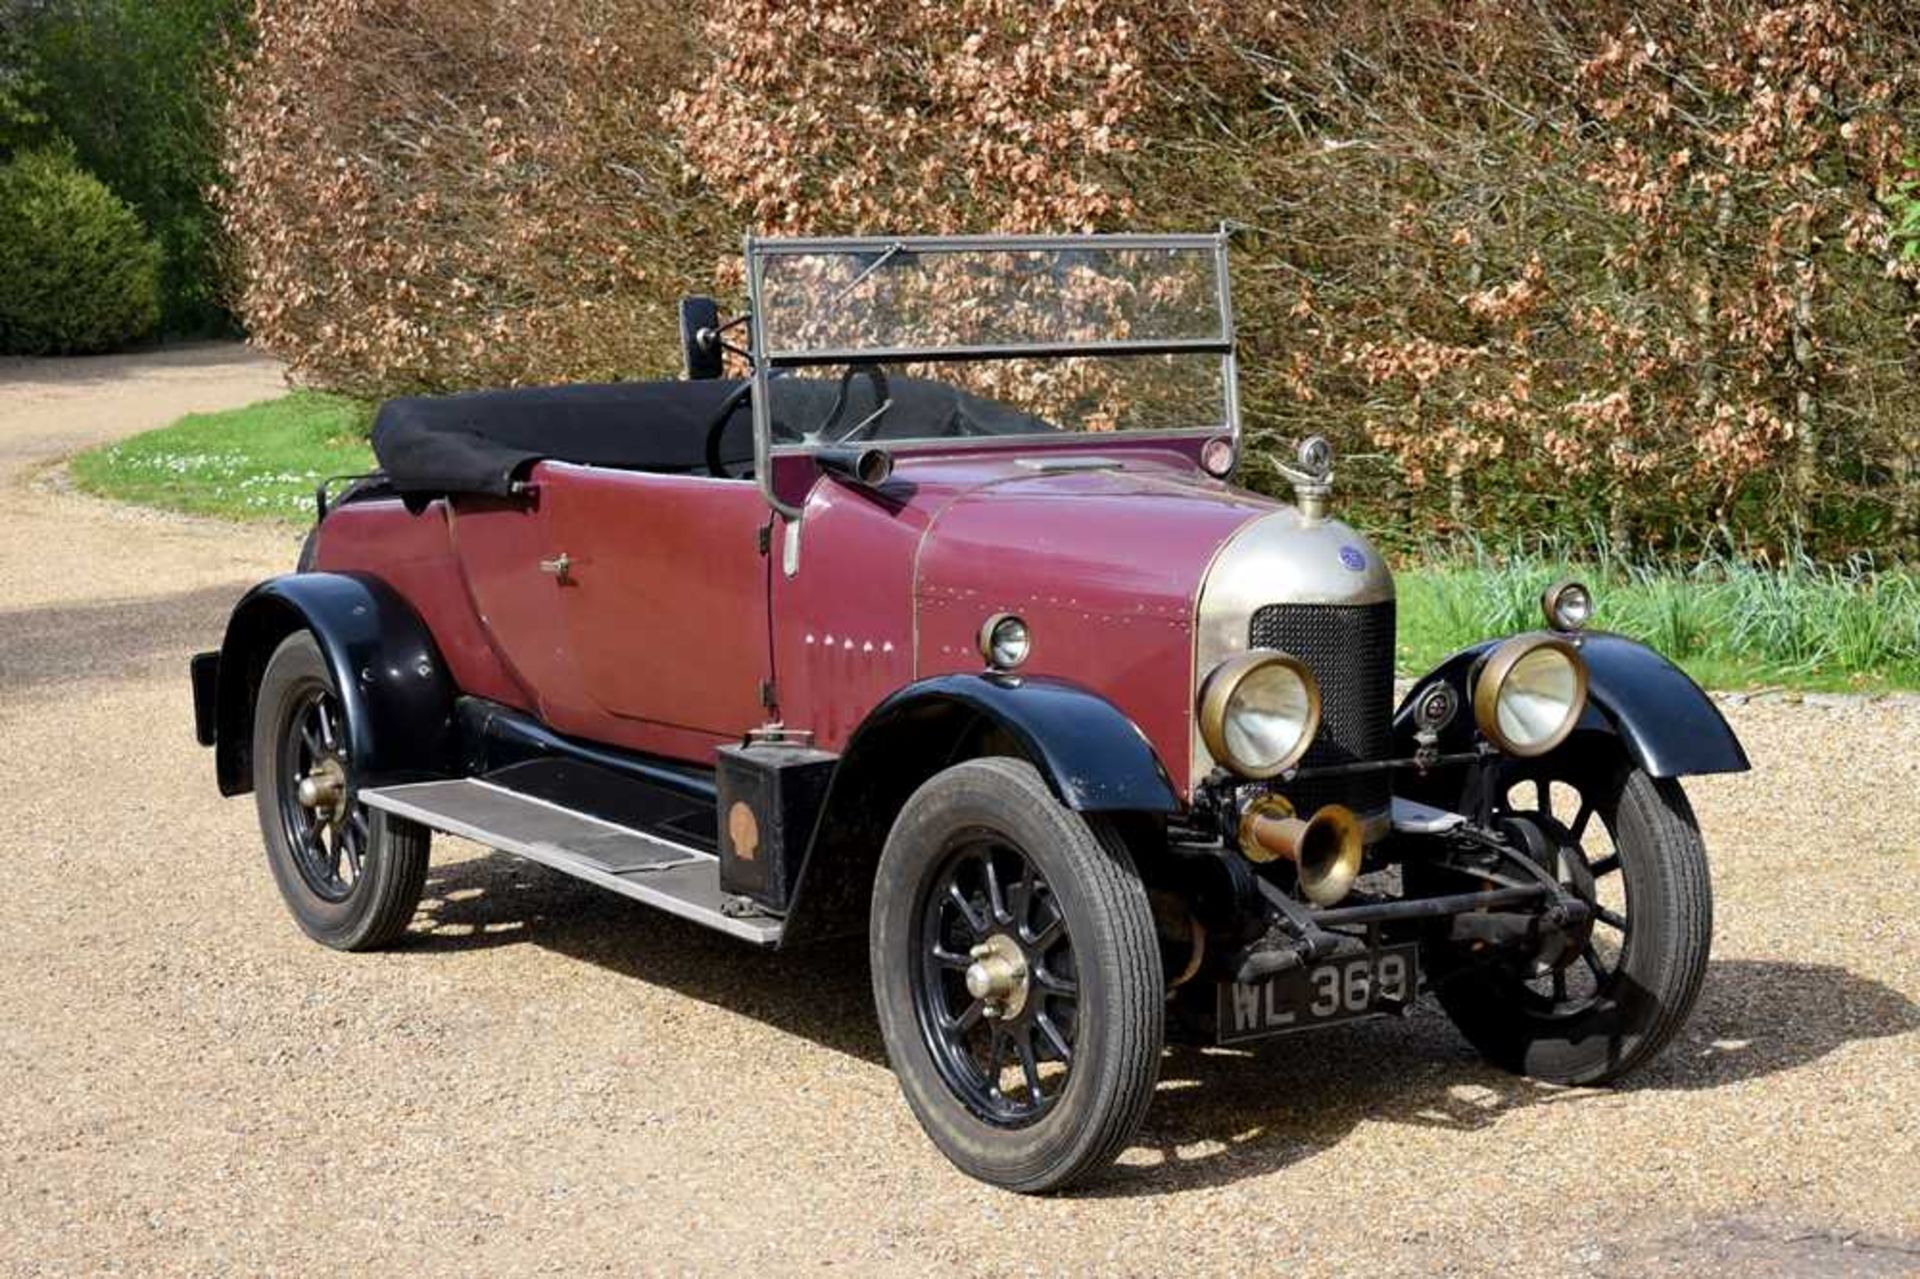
(1093, 757)
(1665, 723)
(395, 690)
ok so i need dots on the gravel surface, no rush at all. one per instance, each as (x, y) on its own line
(550, 1079)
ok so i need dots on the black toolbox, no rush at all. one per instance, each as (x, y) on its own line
(769, 793)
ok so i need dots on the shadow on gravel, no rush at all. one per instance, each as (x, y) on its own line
(820, 992)
(62, 643)
(1220, 1115)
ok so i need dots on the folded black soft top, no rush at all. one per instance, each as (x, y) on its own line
(482, 441)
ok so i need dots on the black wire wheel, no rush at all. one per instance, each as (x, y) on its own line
(351, 875)
(1017, 977)
(998, 993)
(1623, 982)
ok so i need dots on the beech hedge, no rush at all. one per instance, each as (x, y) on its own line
(1644, 268)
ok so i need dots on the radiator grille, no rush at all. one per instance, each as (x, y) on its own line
(1349, 649)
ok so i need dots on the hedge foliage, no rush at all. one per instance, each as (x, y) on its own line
(438, 194)
(130, 86)
(21, 120)
(78, 272)
(1635, 267)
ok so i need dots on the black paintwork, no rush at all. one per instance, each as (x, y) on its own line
(783, 785)
(700, 338)
(393, 687)
(495, 737)
(617, 797)
(1663, 719)
(1091, 755)
(205, 670)
(662, 797)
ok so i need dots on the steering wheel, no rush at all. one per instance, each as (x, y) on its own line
(717, 466)
(882, 398)
(717, 429)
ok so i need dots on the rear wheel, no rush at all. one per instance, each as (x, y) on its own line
(1628, 845)
(352, 876)
(1017, 977)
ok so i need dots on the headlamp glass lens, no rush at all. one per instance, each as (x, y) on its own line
(1538, 696)
(1008, 643)
(1267, 715)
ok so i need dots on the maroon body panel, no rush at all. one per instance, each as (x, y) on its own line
(658, 635)
(500, 543)
(655, 636)
(1103, 565)
(843, 625)
(664, 606)
(414, 554)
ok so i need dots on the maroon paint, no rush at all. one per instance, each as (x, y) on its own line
(414, 555)
(843, 627)
(1102, 565)
(794, 474)
(665, 603)
(657, 638)
(843, 634)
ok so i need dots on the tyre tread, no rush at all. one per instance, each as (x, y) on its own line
(1655, 812)
(406, 845)
(398, 848)
(1108, 885)
(1662, 806)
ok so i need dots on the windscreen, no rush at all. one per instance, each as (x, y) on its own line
(971, 338)
(814, 304)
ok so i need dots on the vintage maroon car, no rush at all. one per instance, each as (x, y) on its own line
(946, 624)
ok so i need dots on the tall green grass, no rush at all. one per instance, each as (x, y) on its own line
(1729, 622)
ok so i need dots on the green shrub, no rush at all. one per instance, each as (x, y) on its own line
(133, 85)
(78, 272)
(21, 121)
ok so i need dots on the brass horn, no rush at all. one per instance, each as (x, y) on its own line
(1325, 848)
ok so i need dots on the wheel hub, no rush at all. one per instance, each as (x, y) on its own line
(324, 789)
(999, 976)
(1554, 848)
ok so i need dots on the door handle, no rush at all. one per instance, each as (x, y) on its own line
(561, 566)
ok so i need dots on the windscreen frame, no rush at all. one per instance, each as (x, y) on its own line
(768, 361)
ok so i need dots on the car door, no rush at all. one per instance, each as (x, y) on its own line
(663, 602)
(501, 544)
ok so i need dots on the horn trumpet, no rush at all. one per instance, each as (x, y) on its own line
(1325, 849)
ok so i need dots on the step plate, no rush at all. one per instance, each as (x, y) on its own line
(680, 880)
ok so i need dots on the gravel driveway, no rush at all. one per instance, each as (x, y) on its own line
(548, 1078)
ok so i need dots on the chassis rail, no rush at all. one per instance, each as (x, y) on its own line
(1428, 907)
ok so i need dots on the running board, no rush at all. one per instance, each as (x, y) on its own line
(680, 880)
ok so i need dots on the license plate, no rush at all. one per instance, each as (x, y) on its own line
(1319, 994)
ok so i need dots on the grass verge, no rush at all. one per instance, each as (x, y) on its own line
(258, 462)
(1729, 623)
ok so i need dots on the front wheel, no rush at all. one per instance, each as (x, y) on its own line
(1017, 977)
(1628, 845)
(352, 876)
